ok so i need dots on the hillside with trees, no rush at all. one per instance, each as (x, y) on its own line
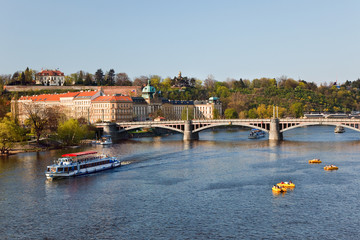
(241, 98)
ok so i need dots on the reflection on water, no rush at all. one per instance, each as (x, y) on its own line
(216, 188)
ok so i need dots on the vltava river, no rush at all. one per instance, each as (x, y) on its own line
(216, 188)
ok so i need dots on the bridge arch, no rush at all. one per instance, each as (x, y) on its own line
(319, 124)
(227, 124)
(148, 126)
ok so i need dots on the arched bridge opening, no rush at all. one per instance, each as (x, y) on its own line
(172, 128)
(201, 126)
(352, 126)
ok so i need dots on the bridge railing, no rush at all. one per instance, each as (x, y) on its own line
(307, 120)
(281, 120)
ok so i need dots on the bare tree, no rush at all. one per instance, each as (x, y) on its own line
(122, 79)
(209, 83)
(38, 118)
(141, 81)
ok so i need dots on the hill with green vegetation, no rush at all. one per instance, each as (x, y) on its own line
(240, 98)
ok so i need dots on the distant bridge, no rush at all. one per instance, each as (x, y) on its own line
(191, 128)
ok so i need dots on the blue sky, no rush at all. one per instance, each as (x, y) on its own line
(316, 41)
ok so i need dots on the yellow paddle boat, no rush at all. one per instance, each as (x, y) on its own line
(330, 168)
(278, 189)
(315, 160)
(286, 184)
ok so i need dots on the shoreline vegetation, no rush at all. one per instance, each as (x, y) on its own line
(240, 98)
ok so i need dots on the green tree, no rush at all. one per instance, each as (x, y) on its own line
(252, 113)
(110, 78)
(80, 78)
(155, 81)
(187, 113)
(297, 109)
(88, 80)
(99, 77)
(10, 133)
(29, 76)
(4, 106)
(216, 114)
(231, 113)
(71, 132)
(222, 92)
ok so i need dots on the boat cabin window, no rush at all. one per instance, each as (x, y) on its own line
(60, 169)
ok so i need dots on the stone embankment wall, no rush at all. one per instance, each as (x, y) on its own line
(20, 88)
(108, 90)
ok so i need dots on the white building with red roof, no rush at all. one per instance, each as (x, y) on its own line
(50, 78)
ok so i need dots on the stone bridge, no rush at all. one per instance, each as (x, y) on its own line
(191, 128)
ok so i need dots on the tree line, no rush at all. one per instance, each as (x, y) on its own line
(241, 98)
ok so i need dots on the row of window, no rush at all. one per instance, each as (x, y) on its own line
(82, 102)
(51, 78)
(93, 164)
(74, 168)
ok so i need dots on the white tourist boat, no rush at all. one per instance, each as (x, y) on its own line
(74, 164)
(256, 133)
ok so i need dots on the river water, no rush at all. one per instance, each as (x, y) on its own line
(216, 188)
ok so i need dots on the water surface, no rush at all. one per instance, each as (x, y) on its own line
(216, 188)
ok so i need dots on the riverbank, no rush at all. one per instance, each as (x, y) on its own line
(33, 146)
(30, 147)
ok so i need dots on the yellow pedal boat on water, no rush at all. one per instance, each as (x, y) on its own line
(286, 184)
(278, 189)
(330, 168)
(315, 160)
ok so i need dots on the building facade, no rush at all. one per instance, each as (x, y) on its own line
(115, 108)
(50, 78)
(95, 106)
(83, 102)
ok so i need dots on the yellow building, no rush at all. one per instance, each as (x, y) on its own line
(115, 108)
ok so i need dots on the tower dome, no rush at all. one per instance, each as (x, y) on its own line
(148, 91)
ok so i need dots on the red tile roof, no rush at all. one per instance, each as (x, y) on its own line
(50, 73)
(70, 94)
(49, 97)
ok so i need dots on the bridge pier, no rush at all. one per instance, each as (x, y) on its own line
(188, 132)
(274, 133)
(111, 129)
